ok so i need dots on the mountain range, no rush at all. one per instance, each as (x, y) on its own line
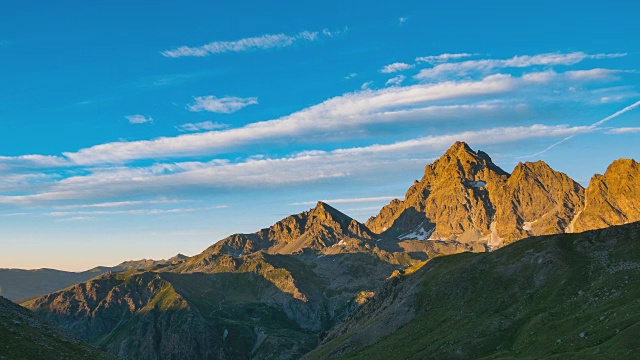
(16, 284)
(322, 284)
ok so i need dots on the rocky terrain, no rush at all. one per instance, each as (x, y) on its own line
(321, 277)
(245, 297)
(23, 336)
(465, 201)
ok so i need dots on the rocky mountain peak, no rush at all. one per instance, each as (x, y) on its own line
(612, 198)
(323, 211)
(460, 161)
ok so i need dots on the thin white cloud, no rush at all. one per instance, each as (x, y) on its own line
(33, 161)
(138, 119)
(309, 166)
(263, 42)
(116, 204)
(487, 65)
(442, 58)
(395, 81)
(201, 126)
(362, 107)
(396, 67)
(402, 20)
(224, 105)
(134, 211)
(351, 76)
(623, 130)
(351, 201)
(593, 74)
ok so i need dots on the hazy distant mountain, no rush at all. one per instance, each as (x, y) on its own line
(18, 284)
(23, 336)
(278, 292)
(569, 296)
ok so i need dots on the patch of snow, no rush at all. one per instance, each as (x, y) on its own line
(419, 234)
(477, 184)
(527, 226)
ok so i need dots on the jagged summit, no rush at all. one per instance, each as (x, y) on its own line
(612, 198)
(322, 228)
(465, 197)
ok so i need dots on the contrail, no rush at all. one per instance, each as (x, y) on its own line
(628, 108)
(592, 126)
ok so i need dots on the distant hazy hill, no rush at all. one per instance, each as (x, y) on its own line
(22, 336)
(18, 284)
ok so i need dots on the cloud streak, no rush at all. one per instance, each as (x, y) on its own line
(201, 126)
(396, 67)
(309, 166)
(223, 105)
(268, 41)
(487, 65)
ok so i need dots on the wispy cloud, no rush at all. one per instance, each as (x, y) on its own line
(139, 119)
(309, 166)
(402, 20)
(363, 107)
(397, 80)
(395, 67)
(351, 76)
(201, 126)
(351, 201)
(442, 58)
(224, 105)
(486, 65)
(117, 204)
(134, 211)
(623, 130)
(263, 42)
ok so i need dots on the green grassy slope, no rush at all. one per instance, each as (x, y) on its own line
(571, 296)
(23, 336)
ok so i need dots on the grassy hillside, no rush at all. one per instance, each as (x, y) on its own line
(573, 296)
(22, 336)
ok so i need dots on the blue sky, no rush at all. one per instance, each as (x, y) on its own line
(141, 131)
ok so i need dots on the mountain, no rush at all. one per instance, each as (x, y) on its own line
(321, 277)
(18, 284)
(612, 198)
(265, 295)
(322, 228)
(23, 336)
(466, 201)
(567, 296)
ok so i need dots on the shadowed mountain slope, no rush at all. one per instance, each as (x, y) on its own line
(569, 296)
(23, 336)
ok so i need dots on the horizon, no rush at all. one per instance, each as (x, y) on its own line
(144, 131)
